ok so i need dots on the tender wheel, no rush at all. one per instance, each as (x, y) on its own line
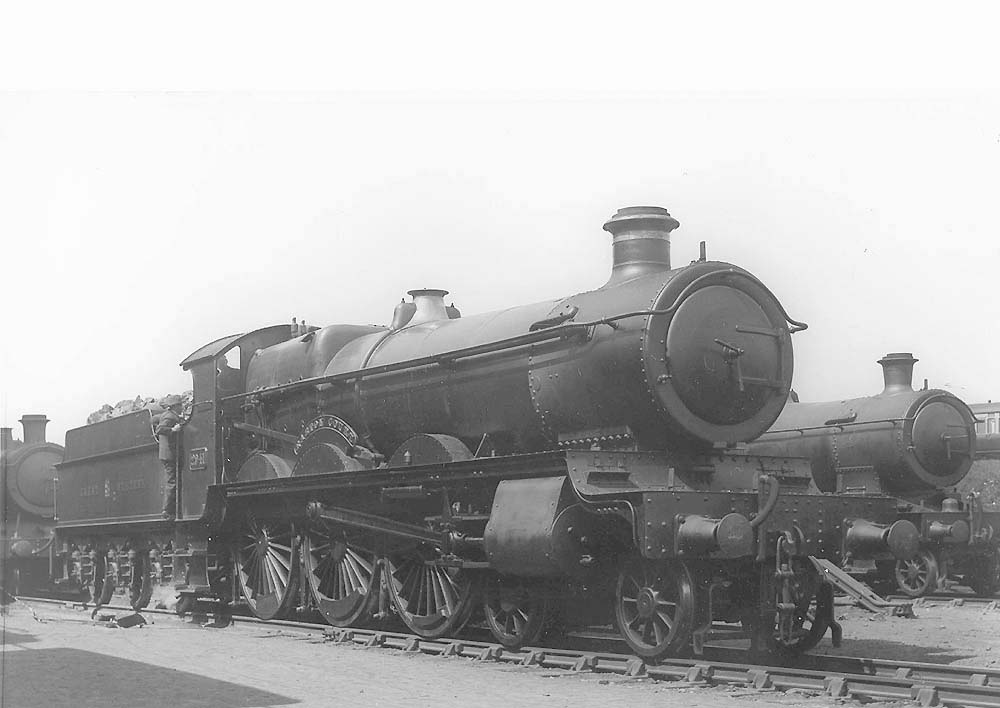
(985, 578)
(105, 580)
(810, 601)
(654, 607)
(515, 614)
(140, 587)
(919, 575)
(266, 562)
(432, 600)
(342, 576)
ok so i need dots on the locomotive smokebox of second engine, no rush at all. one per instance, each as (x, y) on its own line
(641, 241)
(897, 370)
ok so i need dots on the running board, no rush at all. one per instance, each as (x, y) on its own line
(861, 593)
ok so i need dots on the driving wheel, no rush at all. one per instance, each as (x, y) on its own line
(266, 558)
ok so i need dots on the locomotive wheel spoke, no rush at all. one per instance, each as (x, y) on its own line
(918, 575)
(342, 576)
(654, 607)
(265, 561)
(432, 600)
(515, 613)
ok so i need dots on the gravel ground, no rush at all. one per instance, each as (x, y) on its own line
(967, 635)
(55, 656)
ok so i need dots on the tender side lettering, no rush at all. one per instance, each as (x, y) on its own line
(109, 488)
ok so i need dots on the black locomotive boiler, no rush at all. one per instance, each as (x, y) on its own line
(913, 445)
(27, 506)
(580, 458)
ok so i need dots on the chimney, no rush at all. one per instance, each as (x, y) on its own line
(6, 440)
(34, 428)
(897, 369)
(641, 241)
(429, 305)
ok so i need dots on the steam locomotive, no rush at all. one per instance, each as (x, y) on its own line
(581, 459)
(27, 506)
(913, 445)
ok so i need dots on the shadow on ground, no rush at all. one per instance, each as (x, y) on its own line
(58, 678)
(17, 638)
(897, 650)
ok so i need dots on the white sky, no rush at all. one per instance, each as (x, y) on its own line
(137, 225)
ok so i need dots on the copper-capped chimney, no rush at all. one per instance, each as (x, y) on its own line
(34, 428)
(897, 370)
(641, 242)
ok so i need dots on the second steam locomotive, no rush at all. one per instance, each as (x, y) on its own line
(915, 446)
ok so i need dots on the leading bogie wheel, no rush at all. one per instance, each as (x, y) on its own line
(342, 576)
(433, 600)
(918, 575)
(654, 607)
(515, 611)
(267, 565)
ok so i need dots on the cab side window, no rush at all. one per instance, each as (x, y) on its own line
(229, 379)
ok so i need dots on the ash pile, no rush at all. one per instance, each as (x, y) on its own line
(131, 405)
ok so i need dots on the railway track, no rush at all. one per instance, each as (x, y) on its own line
(862, 679)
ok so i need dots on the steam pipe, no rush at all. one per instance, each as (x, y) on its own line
(772, 500)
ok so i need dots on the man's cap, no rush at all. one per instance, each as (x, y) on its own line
(171, 401)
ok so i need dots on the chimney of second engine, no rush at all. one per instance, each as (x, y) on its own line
(34, 428)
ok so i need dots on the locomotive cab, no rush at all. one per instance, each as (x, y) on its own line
(207, 450)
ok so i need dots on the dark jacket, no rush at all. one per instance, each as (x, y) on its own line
(166, 436)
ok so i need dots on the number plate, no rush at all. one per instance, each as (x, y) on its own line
(198, 459)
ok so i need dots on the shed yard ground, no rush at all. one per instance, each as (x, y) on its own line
(67, 660)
